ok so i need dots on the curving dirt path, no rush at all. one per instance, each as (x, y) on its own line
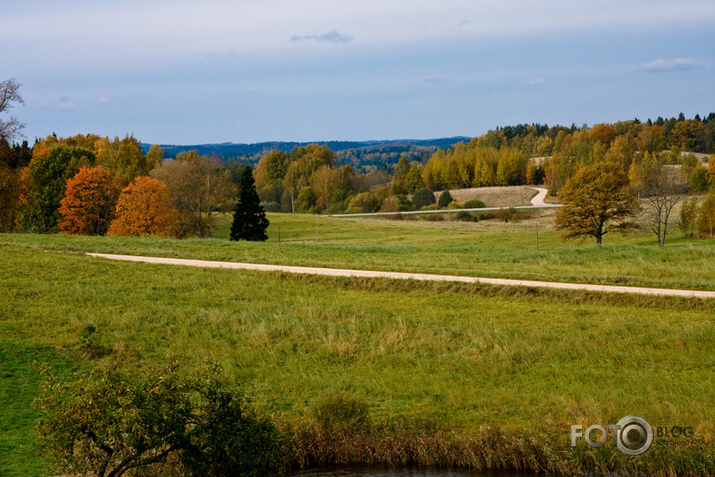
(538, 199)
(336, 272)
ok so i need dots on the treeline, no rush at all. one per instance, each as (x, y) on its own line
(91, 185)
(192, 189)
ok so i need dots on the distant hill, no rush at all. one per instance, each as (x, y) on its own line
(355, 152)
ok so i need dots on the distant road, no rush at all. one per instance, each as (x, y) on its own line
(336, 272)
(538, 199)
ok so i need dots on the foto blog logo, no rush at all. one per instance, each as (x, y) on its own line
(633, 435)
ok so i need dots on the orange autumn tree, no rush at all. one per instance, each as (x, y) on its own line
(145, 208)
(88, 205)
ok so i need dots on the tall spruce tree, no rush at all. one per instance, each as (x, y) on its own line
(249, 219)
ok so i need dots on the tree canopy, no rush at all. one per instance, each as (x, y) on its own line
(88, 205)
(145, 208)
(595, 201)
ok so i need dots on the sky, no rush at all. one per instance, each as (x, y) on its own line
(247, 71)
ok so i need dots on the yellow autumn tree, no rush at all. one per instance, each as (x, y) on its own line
(145, 208)
(88, 205)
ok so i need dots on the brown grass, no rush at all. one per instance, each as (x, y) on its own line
(511, 196)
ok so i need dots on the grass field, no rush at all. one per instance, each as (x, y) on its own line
(429, 357)
(487, 248)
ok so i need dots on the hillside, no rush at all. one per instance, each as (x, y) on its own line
(365, 152)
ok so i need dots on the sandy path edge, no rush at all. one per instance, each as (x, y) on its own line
(337, 272)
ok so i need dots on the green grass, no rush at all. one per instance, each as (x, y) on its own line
(429, 356)
(488, 248)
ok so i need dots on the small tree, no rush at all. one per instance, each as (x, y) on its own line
(660, 188)
(145, 208)
(706, 218)
(445, 198)
(595, 201)
(422, 198)
(110, 422)
(249, 218)
(88, 205)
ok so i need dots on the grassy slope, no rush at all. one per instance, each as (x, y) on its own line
(434, 356)
(488, 248)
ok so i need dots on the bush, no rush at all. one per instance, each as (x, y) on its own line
(474, 204)
(338, 409)
(365, 202)
(445, 198)
(455, 205)
(464, 216)
(271, 206)
(422, 198)
(111, 421)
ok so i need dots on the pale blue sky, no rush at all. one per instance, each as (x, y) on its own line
(183, 72)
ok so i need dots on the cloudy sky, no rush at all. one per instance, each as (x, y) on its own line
(188, 72)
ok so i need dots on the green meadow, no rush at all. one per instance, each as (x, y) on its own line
(489, 248)
(427, 358)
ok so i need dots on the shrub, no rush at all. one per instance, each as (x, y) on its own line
(111, 421)
(271, 206)
(455, 205)
(464, 216)
(422, 198)
(365, 201)
(474, 204)
(445, 198)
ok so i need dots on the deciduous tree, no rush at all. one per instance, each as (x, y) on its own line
(595, 201)
(111, 422)
(200, 187)
(48, 173)
(249, 218)
(10, 95)
(88, 205)
(145, 208)
(661, 189)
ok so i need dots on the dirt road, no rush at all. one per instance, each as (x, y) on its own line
(336, 272)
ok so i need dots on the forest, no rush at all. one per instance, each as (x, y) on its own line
(74, 184)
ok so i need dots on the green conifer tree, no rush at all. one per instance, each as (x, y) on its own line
(249, 219)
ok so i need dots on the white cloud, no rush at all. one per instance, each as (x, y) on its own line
(678, 64)
(101, 101)
(330, 37)
(535, 81)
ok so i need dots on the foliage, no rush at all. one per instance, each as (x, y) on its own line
(200, 187)
(445, 198)
(593, 199)
(112, 421)
(125, 158)
(711, 170)
(88, 205)
(145, 208)
(9, 94)
(364, 202)
(249, 218)
(10, 189)
(305, 202)
(422, 198)
(689, 215)
(48, 173)
(706, 218)
(474, 204)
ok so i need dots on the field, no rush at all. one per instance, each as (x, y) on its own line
(427, 358)
(487, 248)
